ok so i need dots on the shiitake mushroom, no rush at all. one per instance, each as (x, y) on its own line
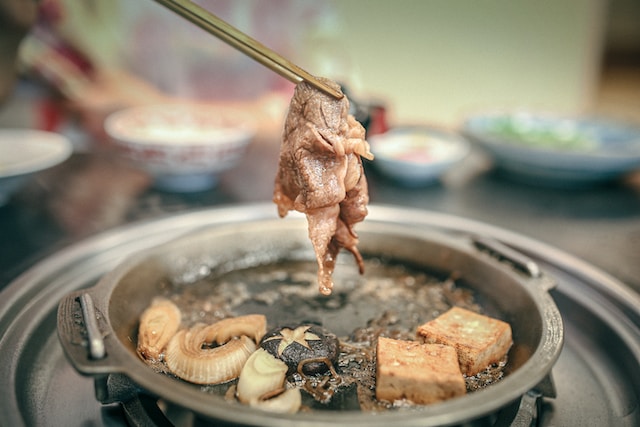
(307, 347)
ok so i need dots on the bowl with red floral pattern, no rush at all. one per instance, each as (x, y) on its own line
(184, 147)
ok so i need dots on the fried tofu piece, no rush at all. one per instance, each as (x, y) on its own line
(421, 373)
(479, 340)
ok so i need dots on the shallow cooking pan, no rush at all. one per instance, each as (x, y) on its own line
(98, 326)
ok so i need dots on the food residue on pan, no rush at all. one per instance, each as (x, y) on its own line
(320, 174)
(264, 337)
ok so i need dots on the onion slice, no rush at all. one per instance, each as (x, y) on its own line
(192, 353)
(251, 325)
(288, 402)
(158, 324)
(188, 359)
(262, 374)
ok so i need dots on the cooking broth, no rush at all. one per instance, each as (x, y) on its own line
(390, 299)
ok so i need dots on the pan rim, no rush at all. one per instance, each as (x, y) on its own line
(465, 408)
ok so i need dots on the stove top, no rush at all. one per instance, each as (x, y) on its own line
(597, 377)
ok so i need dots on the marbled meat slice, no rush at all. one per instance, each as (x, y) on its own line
(320, 174)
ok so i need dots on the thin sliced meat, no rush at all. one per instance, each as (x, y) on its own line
(320, 174)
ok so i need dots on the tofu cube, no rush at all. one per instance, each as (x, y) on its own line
(421, 373)
(479, 340)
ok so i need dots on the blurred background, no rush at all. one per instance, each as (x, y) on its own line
(428, 61)
(419, 62)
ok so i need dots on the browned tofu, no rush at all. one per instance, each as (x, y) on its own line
(479, 340)
(421, 373)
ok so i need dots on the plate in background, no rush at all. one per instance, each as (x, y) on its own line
(556, 150)
(23, 152)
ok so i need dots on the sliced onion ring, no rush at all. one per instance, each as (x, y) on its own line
(158, 324)
(262, 374)
(191, 355)
(251, 325)
(288, 402)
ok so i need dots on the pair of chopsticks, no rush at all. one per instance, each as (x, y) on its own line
(247, 45)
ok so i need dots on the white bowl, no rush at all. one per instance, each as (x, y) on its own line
(556, 150)
(24, 152)
(184, 147)
(417, 155)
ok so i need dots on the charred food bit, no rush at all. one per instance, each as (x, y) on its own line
(210, 354)
(420, 373)
(320, 174)
(307, 348)
(479, 340)
(158, 324)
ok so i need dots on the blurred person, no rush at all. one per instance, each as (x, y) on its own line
(75, 47)
(103, 56)
(16, 19)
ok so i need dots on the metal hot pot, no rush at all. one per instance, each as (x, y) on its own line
(98, 326)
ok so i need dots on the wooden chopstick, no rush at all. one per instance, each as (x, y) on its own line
(244, 43)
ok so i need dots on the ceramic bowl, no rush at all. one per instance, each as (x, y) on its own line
(556, 150)
(417, 155)
(24, 152)
(184, 147)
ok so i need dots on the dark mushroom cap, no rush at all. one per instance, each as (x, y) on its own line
(303, 342)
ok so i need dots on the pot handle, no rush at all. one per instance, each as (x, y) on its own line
(519, 261)
(81, 329)
(81, 332)
(504, 252)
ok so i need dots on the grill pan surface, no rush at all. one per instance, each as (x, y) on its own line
(503, 290)
(601, 318)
